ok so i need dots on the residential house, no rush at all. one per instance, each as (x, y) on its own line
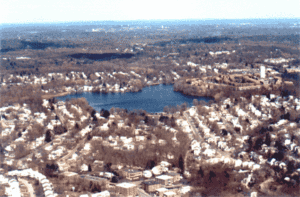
(140, 147)
(104, 127)
(195, 144)
(121, 124)
(164, 164)
(97, 138)
(139, 138)
(84, 168)
(197, 151)
(170, 156)
(157, 170)
(108, 175)
(98, 163)
(128, 147)
(162, 142)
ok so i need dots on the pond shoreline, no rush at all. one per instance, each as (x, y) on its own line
(153, 99)
(50, 96)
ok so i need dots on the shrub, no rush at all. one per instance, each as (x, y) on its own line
(51, 169)
(104, 113)
(60, 130)
(48, 137)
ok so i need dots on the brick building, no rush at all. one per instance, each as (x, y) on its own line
(151, 186)
(126, 189)
(131, 174)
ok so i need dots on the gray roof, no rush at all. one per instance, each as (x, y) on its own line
(150, 182)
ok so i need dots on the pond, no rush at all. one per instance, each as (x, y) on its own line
(152, 99)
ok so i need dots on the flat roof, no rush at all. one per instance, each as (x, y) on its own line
(70, 173)
(131, 170)
(93, 178)
(150, 182)
(126, 185)
(164, 177)
(170, 193)
(173, 173)
(162, 189)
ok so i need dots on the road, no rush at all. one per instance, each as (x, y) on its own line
(194, 130)
(196, 135)
(61, 119)
(60, 116)
(63, 159)
(82, 142)
(199, 138)
(28, 185)
(38, 149)
(34, 151)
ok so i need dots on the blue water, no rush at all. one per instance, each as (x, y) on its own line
(152, 99)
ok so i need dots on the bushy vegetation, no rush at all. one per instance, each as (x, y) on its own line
(21, 150)
(215, 180)
(150, 154)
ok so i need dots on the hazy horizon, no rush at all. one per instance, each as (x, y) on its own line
(33, 11)
(149, 20)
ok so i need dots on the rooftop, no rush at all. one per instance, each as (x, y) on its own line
(131, 170)
(126, 185)
(170, 193)
(161, 189)
(70, 173)
(150, 182)
(173, 173)
(164, 177)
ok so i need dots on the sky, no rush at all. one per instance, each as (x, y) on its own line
(42, 11)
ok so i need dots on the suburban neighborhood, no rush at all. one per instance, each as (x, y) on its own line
(234, 131)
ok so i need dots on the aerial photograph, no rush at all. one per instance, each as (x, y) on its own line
(112, 98)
